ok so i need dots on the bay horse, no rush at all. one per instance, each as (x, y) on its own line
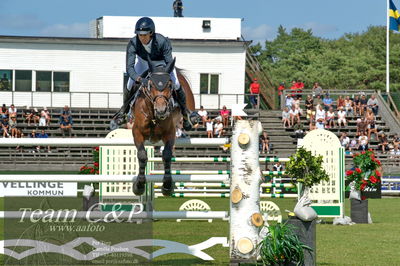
(156, 119)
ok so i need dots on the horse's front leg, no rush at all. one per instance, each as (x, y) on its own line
(168, 185)
(138, 186)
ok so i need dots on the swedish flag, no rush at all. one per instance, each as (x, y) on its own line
(394, 17)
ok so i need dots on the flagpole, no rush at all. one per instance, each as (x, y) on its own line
(387, 48)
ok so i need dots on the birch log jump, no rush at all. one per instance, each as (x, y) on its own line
(245, 218)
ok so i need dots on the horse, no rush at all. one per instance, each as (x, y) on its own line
(156, 119)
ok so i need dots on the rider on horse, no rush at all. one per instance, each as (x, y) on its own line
(148, 43)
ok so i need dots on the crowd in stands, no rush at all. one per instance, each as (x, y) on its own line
(32, 117)
(322, 111)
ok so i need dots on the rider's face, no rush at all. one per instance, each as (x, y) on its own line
(145, 38)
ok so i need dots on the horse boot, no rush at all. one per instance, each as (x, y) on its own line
(119, 118)
(181, 98)
(167, 188)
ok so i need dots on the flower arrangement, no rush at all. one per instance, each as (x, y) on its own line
(365, 173)
(91, 170)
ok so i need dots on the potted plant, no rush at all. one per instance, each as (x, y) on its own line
(363, 175)
(281, 246)
(306, 170)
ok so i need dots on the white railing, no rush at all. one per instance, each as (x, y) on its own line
(104, 99)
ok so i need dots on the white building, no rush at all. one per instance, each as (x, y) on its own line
(89, 72)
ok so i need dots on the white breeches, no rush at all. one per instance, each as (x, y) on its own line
(141, 66)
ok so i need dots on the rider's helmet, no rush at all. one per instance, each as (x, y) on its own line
(145, 25)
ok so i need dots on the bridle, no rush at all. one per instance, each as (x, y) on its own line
(153, 99)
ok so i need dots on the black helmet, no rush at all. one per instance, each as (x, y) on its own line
(145, 25)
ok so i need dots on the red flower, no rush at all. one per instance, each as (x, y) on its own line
(358, 170)
(378, 173)
(82, 168)
(363, 197)
(96, 149)
(378, 162)
(92, 171)
(363, 185)
(96, 164)
(349, 172)
(97, 172)
(373, 179)
(363, 152)
(369, 149)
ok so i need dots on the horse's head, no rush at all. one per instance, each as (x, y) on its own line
(160, 85)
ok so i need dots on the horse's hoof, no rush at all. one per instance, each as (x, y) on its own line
(167, 188)
(138, 187)
(167, 191)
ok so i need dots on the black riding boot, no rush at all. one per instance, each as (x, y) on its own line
(119, 118)
(181, 97)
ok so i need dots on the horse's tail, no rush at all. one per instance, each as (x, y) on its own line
(183, 80)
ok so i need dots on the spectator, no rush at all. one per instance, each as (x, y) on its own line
(35, 116)
(28, 115)
(320, 123)
(383, 144)
(13, 126)
(277, 167)
(330, 118)
(178, 8)
(299, 87)
(362, 142)
(286, 117)
(225, 114)
(43, 135)
(371, 124)
(296, 101)
(318, 101)
(317, 90)
(66, 126)
(294, 115)
(47, 115)
(254, 91)
(320, 113)
(348, 106)
(203, 114)
(209, 128)
(327, 102)
(363, 104)
(4, 111)
(357, 105)
(339, 102)
(289, 101)
(361, 126)
(42, 119)
(33, 134)
(309, 103)
(298, 131)
(265, 143)
(179, 133)
(396, 143)
(218, 129)
(281, 88)
(344, 140)
(12, 111)
(66, 113)
(373, 104)
(342, 117)
(353, 145)
(5, 127)
(129, 124)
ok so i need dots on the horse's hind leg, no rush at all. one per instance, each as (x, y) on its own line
(138, 186)
(168, 186)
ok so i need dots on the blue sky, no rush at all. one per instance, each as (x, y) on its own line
(261, 18)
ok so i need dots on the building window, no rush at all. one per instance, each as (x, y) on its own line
(209, 83)
(5, 80)
(61, 81)
(23, 80)
(43, 80)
